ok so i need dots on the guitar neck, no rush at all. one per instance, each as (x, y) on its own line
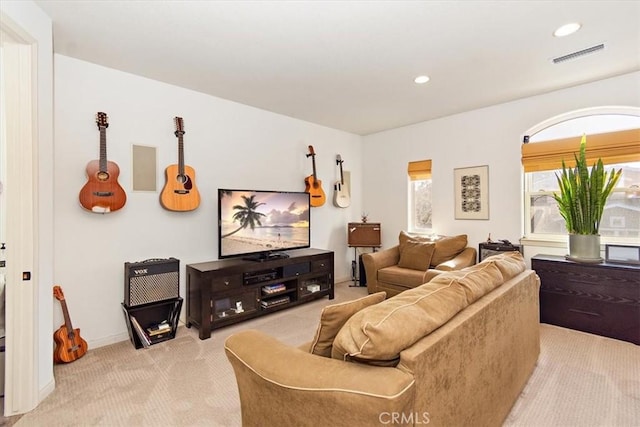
(313, 162)
(180, 155)
(103, 149)
(67, 318)
(341, 175)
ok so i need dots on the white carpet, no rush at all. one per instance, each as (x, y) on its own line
(580, 380)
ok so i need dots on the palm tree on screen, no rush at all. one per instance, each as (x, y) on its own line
(246, 215)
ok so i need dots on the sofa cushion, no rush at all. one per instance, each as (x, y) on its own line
(476, 281)
(404, 237)
(334, 316)
(379, 333)
(415, 254)
(510, 263)
(405, 277)
(447, 248)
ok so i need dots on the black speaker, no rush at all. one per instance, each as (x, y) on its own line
(363, 275)
(487, 249)
(152, 280)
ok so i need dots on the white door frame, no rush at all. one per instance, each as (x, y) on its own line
(19, 136)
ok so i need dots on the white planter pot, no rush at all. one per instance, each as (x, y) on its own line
(584, 248)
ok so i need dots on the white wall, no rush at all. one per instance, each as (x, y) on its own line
(489, 136)
(229, 145)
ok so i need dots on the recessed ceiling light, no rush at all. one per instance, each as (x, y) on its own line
(421, 79)
(567, 29)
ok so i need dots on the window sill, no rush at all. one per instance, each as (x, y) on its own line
(562, 242)
(546, 243)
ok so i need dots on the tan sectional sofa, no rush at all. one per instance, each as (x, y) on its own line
(456, 351)
(414, 261)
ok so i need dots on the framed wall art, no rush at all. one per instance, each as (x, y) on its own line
(471, 189)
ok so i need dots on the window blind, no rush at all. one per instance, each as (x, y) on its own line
(612, 147)
(419, 170)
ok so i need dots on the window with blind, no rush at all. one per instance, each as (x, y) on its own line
(419, 187)
(542, 159)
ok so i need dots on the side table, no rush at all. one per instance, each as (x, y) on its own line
(362, 235)
(602, 299)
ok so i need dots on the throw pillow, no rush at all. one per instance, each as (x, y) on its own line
(416, 255)
(447, 248)
(404, 237)
(333, 317)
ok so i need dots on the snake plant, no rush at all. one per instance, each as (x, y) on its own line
(583, 193)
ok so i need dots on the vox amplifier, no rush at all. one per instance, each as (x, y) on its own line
(363, 234)
(152, 280)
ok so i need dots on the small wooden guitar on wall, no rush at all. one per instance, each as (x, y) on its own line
(313, 185)
(341, 197)
(102, 193)
(180, 192)
(69, 344)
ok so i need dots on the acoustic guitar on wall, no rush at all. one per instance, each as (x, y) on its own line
(313, 185)
(341, 197)
(102, 193)
(69, 344)
(180, 192)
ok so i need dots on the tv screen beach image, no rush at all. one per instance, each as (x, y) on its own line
(262, 221)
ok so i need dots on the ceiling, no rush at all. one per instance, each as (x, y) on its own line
(350, 65)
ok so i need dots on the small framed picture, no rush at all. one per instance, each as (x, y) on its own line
(471, 189)
(620, 254)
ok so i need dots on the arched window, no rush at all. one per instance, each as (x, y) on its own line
(613, 134)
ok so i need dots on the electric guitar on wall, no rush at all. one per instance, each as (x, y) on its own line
(69, 344)
(341, 197)
(102, 193)
(313, 185)
(180, 192)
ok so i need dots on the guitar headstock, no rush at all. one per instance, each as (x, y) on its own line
(102, 120)
(57, 292)
(339, 159)
(179, 126)
(311, 152)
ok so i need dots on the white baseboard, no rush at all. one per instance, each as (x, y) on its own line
(343, 279)
(46, 390)
(124, 336)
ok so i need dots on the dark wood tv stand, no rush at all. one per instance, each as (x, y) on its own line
(224, 292)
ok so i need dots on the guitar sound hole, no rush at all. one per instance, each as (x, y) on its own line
(103, 176)
(185, 181)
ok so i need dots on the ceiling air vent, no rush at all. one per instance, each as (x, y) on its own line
(578, 53)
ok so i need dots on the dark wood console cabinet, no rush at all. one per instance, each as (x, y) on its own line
(602, 299)
(224, 292)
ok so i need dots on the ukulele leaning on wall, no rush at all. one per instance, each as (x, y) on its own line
(102, 193)
(313, 185)
(69, 344)
(180, 192)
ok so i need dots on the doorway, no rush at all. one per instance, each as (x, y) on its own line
(17, 200)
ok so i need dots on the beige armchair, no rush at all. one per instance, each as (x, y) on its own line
(414, 261)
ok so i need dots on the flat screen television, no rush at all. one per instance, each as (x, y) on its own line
(260, 225)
